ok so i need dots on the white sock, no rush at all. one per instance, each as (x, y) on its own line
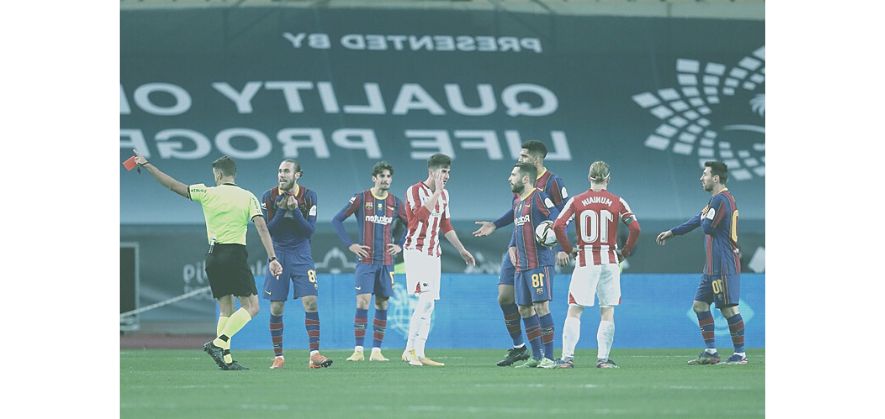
(413, 324)
(358, 348)
(604, 337)
(422, 328)
(571, 333)
(710, 351)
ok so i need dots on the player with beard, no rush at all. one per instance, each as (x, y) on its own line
(292, 213)
(533, 281)
(721, 280)
(533, 152)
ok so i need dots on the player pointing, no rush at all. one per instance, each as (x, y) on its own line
(721, 280)
(533, 281)
(596, 213)
(533, 152)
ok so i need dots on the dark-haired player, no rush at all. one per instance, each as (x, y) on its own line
(533, 281)
(375, 210)
(533, 152)
(721, 280)
(427, 207)
(227, 209)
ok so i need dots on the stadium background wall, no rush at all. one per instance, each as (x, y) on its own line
(654, 97)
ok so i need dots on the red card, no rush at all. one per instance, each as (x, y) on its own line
(130, 163)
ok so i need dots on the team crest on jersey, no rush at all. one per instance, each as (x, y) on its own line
(380, 206)
(368, 205)
(688, 126)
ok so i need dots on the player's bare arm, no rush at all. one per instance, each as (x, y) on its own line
(662, 238)
(275, 268)
(452, 237)
(164, 179)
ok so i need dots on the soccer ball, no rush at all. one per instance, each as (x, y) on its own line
(544, 234)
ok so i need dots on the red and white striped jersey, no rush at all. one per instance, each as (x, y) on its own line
(426, 225)
(596, 215)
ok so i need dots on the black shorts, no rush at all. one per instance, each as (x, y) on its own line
(229, 272)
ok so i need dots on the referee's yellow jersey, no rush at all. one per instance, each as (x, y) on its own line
(228, 209)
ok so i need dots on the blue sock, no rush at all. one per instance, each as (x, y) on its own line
(705, 321)
(359, 326)
(276, 334)
(546, 322)
(312, 324)
(379, 325)
(533, 332)
(736, 326)
(511, 321)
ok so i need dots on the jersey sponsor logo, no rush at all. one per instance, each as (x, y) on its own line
(522, 220)
(379, 219)
(736, 136)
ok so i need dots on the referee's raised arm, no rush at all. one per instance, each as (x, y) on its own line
(164, 179)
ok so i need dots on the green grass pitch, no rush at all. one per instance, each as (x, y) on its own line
(656, 383)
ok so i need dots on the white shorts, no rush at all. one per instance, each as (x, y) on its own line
(591, 280)
(422, 272)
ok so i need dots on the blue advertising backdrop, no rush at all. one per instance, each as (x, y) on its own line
(655, 313)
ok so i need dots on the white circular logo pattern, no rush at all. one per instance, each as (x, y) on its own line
(686, 114)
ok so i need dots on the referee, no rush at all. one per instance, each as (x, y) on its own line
(227, 209)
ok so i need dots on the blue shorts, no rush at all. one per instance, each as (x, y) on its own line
(374, 279)
(508, 271)
(303, 277)
(534, 286)
(723, 289)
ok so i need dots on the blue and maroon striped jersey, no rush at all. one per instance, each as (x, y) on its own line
(375, 218)
(291, 230)
(528, 213)
(550, 184)
(719, 218)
